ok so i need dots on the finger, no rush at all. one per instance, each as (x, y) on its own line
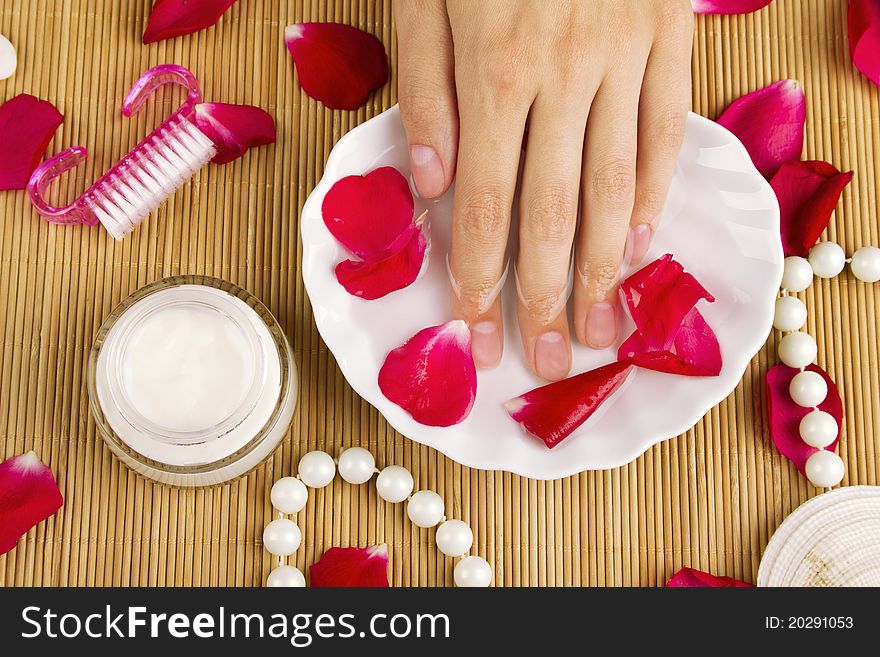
(492, 127)
(608, 191)
(548, 216)
(426, 86)
(663, 107)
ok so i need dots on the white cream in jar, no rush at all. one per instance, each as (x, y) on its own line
(192, 381)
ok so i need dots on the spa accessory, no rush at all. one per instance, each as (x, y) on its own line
(830, 540)
(394, 484)
(808, 388)
(143, 179)
(191, 381)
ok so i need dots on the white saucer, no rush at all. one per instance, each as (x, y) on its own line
(721, 222)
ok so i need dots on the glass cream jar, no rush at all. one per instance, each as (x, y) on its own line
(191, 381)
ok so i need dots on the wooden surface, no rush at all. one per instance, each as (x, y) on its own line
(709, 499)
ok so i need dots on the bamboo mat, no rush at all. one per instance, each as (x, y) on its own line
(708, 499)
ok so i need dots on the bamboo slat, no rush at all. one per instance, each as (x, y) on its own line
(709, 499)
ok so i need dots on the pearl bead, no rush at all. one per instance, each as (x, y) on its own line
(818, 429)
(286, 576)
(472, 572)
(797, 349)
(316, 469)
(454, 538)
(797, 274)
(827, 259)
(289, 495)
(425, 508)
(824, 469)
(281, 537)
(394, 483)
(808, 389)
(356, 465)
(790, 315)
(865, 264)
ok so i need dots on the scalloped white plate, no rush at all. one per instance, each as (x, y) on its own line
(721, 222)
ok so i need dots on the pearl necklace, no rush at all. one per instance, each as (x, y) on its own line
(425, 508)
(808, 389)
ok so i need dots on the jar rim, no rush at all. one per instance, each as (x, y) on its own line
(281, 411)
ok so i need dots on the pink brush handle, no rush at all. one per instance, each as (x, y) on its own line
(82, 210)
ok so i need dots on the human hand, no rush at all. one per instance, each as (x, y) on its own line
(604, 88)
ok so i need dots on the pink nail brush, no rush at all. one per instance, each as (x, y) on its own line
(146, 176)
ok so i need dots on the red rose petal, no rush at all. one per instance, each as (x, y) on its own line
(728, 6)
(671, 335)
(394, 270)
(690, 578)
(694, 351)
(234, 128)
(807, 192)
(368, 213)
(786, 416)
(351, 567)
(552, 412)
(171, 18)
(863, 30)
(337, 64)
(770, 124)
(28, 495)
(26, 128)
(432, 375)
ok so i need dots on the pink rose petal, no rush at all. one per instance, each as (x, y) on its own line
(432, 375)
(728, 6)
(351, 567)
(337, 64)
(807, 193)
(234, 128)
(552, 412)
(392, 270)
(785, 415)
(671, 335)
(26, 128)
(770, 124)
(368, 213)
(691, 578)
(28, 495)
(171, 18)
(863, 30)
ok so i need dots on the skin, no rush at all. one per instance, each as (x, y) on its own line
(603, 88)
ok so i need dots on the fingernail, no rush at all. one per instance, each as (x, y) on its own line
(486, 344)
(552, 356)
(638, 242)
(601, 326)
(427, 170)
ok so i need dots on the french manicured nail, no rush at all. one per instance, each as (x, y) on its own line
(552, 359)
(601, 326)
(427, 170)
(639, 240)
(486, 344)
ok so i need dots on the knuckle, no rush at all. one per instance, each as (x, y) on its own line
(503, 66)
(551, 215)
(675, 14)
(474, 297)
(483, 216)
(600, 277)
(612, 182)
(419, 107)
(668, 130)
(650, 200)
(541, 306)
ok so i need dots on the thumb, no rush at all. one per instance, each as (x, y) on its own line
(426, 86)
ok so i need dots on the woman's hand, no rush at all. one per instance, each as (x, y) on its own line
(604, 88)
